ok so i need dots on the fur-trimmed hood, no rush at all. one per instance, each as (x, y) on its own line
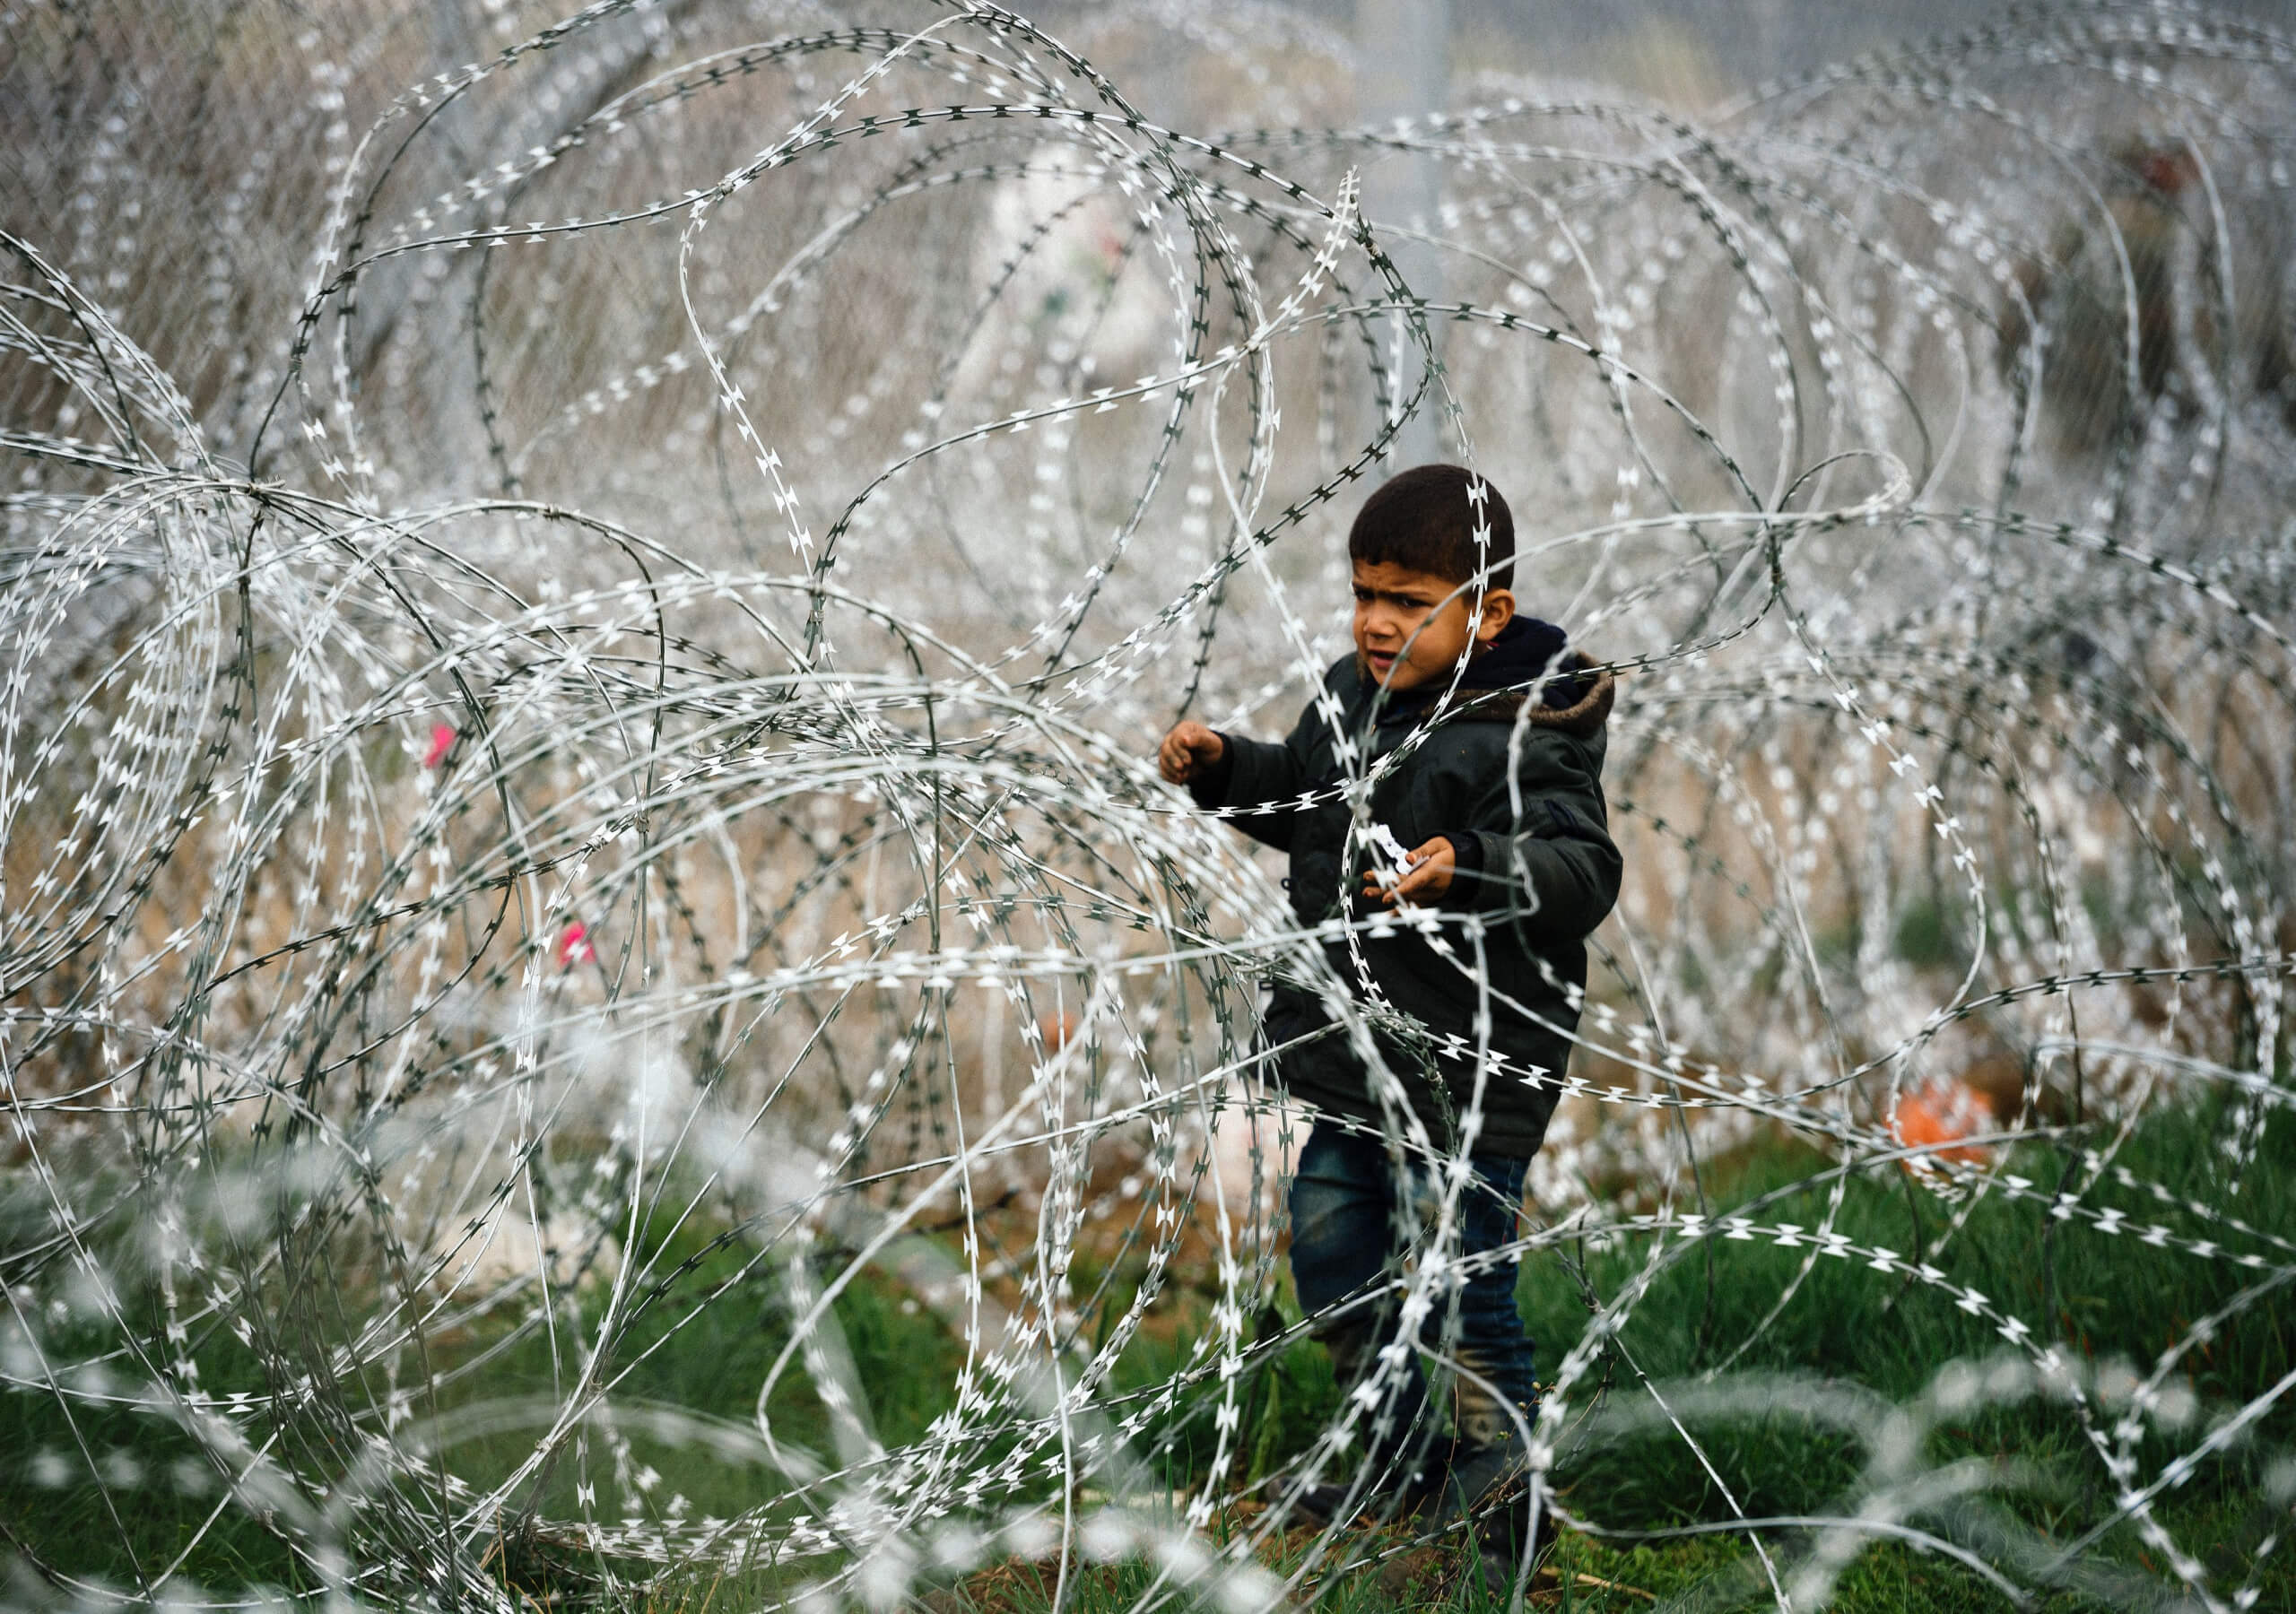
(1579, 675)
(1575, 696)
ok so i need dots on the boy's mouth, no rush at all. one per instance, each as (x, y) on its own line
(1379, 661)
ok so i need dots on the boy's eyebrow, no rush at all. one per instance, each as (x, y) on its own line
(1409, 594)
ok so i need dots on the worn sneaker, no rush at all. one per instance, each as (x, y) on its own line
(1320, 1505)
(1472, 1475)
(1490, 1485)
(1509, 1533)
(1395, 1495)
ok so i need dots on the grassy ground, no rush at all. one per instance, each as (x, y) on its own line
(109, 1492)
(2109, 1297)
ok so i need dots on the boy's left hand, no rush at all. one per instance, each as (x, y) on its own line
(1426, 875)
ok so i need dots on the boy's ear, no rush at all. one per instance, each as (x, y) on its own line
(1498, 610)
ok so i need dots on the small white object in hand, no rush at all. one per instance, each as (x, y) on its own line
(1390, 858)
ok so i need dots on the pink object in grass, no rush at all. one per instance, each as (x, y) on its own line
(574, 945)
(443, 736)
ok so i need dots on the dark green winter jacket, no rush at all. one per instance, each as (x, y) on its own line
(1535, 863)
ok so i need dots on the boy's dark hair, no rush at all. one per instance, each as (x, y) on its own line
(1422, 518)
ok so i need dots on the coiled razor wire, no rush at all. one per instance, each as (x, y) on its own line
(583, 646)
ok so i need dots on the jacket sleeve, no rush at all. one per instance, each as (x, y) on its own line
(1264, 775)
(1543, 858)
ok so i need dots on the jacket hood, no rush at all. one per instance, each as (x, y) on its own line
(1576, 697)
(1525, 648)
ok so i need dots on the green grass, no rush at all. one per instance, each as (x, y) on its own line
(2108, 1296)
(157, 1494)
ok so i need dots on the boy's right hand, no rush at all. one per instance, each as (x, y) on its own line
(1189, 751)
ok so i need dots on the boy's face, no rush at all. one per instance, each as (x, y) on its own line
(1414, 627)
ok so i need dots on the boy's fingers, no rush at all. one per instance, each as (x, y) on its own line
(1186, 747)
(1429, 870)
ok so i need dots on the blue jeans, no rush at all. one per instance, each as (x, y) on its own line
(1352, 1224)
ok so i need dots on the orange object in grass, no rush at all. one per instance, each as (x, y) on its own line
(1936, 1119)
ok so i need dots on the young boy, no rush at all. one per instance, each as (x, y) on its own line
(1501, 806)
